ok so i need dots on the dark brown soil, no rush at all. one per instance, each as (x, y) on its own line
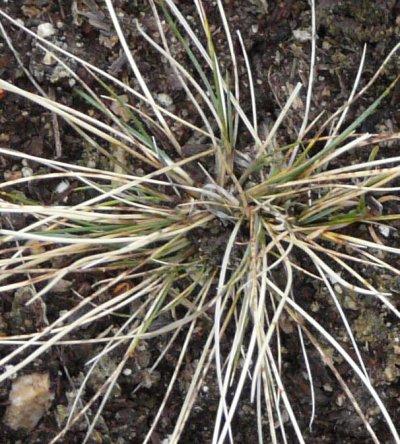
(278, 61)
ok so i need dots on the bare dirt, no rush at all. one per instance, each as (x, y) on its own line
(279, 60)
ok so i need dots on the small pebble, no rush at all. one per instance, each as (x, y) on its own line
(338, 289)
(48, 59)
(384, 230)
(29, 399)
(45, 30)
(302, 35)
(62, 286)
(62, 186)
(165, 99)
(340, 400)
(27, 172)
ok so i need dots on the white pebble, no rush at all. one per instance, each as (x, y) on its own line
(302, 35)
(165, 99)
(338, 289)
(384, 230)
(48, 59)
(62, 186)
(45, 30)
(27, 172)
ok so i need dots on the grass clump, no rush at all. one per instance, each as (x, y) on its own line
(227, 248)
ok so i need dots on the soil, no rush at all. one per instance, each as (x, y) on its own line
(279, 60)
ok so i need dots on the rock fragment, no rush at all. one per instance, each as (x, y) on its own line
(45, 30)
(30, 397)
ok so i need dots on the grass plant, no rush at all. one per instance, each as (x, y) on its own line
(279, 204)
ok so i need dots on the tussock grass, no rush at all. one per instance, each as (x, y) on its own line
(278, 204)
